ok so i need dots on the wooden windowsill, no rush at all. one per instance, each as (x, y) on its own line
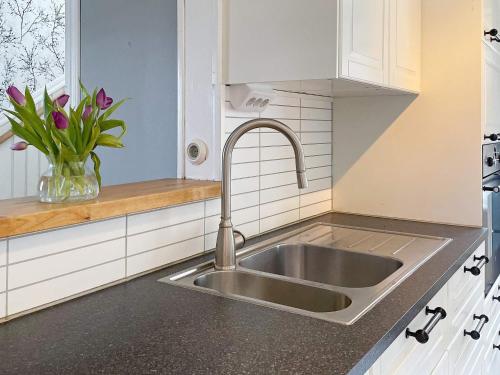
(27, 215)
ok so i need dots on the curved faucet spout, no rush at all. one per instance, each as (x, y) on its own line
(225, 251)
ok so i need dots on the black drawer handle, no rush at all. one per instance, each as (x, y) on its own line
(422, 335)
(476, 270)
(496, 346)
(497, 298)
(476, 333)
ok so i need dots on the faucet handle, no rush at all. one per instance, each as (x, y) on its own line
(239, 239)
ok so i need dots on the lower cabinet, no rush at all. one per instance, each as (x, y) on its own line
(458, 332)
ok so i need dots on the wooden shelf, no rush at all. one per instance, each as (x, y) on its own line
(27, 215)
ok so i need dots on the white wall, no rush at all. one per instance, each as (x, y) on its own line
(419, 158)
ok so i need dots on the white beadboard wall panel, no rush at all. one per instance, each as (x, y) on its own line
(3, 253)
(37, 245)
(166, 217)
(65, 286)
(142, 242)
(164, 255)
(51, 266)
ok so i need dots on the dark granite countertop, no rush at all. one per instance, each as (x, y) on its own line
(147, 327)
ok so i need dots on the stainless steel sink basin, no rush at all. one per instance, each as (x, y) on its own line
(323, 265)
(325, 271)
(281, 292)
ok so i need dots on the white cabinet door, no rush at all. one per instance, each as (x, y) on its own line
(492, 89)
(364, 40)
(405, 24)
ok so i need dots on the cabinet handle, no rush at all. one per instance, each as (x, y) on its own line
(496, 346)
(476, 333)
(422, 335)
(476, 270)
(492, 137)
(492, 32)
(497, 298)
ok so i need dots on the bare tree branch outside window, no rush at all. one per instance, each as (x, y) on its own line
(31, 43)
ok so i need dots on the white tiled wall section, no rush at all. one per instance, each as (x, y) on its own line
(46, 267)
(264, 183)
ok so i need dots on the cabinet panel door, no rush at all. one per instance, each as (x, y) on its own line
(492, 89)
(405, 44)
(364, 40)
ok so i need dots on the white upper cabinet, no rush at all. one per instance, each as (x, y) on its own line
(405, 30)
(363, 40)
(374, 42)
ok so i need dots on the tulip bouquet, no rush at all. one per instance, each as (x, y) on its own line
(67, 138)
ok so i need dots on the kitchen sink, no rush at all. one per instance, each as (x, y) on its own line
(323, 265)
(276, 291)
(331, 272)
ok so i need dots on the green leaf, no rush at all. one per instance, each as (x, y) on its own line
(83, 88)
(91, 144)
(108, 140)
(47, 103)
(30, 103)
(113, 108)
(97, 166)
(111, 124)
(25, 134)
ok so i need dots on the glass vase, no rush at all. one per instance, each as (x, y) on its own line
(66, 182)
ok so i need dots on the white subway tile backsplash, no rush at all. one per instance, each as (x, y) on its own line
(273, 139)
(247, 140)
(3, 279)
(3, 304)
(276, 152)
(316, 114)
(55, 289)
(249, 229)
(276, 221)
(291, 101)
(212, 224)
(315, 209)
(278, 179)
(292, 124)
(318, 161)
(245, 155)
(231, 112)
(315, 103)
(316, 185)
(37, 245)
(244, 170)
(40, 269)
(231, 123)
(3, 253)
(164, 255)
(245, 216)
(281, 112)
(277, 207)
(164, 218)
(212, 207)
(276, 166)
(139, 243)
(210, 241)
(315, 126)
(281, 192)
(245, 200)
(320, 172)
(318, 149)
(316, 137)
(318, 196)
(245, 185)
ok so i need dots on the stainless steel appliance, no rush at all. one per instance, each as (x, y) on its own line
(491, 207)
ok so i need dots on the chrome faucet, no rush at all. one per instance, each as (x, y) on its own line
(229, 240)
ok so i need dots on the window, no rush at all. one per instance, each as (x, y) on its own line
(32, 45)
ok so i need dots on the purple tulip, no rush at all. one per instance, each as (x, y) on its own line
(60, 120)
(62, 100)
(86, 113)
(16, 95)
(103, 101)
(19, 146)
